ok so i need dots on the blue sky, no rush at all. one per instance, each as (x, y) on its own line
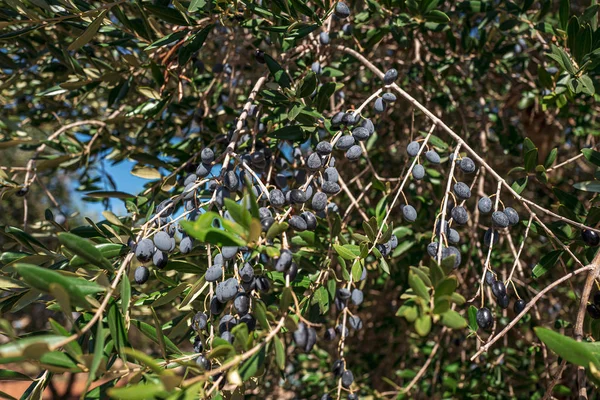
(125, 181)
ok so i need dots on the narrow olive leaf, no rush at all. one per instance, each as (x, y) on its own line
(14, 350)
(138, 392)
(202, 230)
(252, 365)
(116, 326)
(166, 14)
(125, 295)
(344, 252)
(89, 33)
(72, 348)
(546, 263)
(281, 77)
(592, 156)
(384, 266)
(85, 250)
(150, 332)
(286, 299)
(98, 352)
(240, 337)
(418, 286)
(453, 320)
(165, 40)
(357, 269)
(194, 44)
(59, 362)
(473, 318)
(144, 359)
(8, 375)
(102, 194)
(276, 229)
(61, 295)
(239, 213)
(107, 250)
(261, 314)
(588, 186)
(566, 347)
(146, 173)
(279, 353)
(41, 278)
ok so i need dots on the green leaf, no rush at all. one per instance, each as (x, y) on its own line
(569, 349)
(196, 5)
(166, 14)
(58, 361)
(384, 266)
(562, 58)
(458, 299)
(193, 45)
(324, 94)
(8, 375)
(290, 132)
(588, 85)
(583, 42)
(110, 194)
(357, 269)
(453, 320)
(150, 332)
(165, 40)
(446, 287)
(116, 325)
(144, 359)
(137, 392)
(281, 77)
(308, 85)
(84, 250)
(239, 213)
(198, 230)
(564, 13)
(437, 16)
(125, 294)
(369, 231)
(98, 352)
(519, 185)
(550, 158)
(276, 229)
(41, 279)
(261, 314)
(14, 349)
(344, 252)
(279, 353)
(588, 186)
(418, 286)
(547, 262)
(423, 325)
(441, 305)
(252, 365)
(473, 318)
(240, 337)
(437, 273)
(89, 33)
(531, 159)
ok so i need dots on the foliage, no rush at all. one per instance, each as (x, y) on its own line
(220, 105)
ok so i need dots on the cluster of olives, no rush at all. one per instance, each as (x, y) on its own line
(458, 213)
(299, 194)
(500, 220)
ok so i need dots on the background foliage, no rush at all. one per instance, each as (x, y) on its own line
(84, 85)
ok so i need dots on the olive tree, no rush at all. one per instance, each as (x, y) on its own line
(361, 199)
